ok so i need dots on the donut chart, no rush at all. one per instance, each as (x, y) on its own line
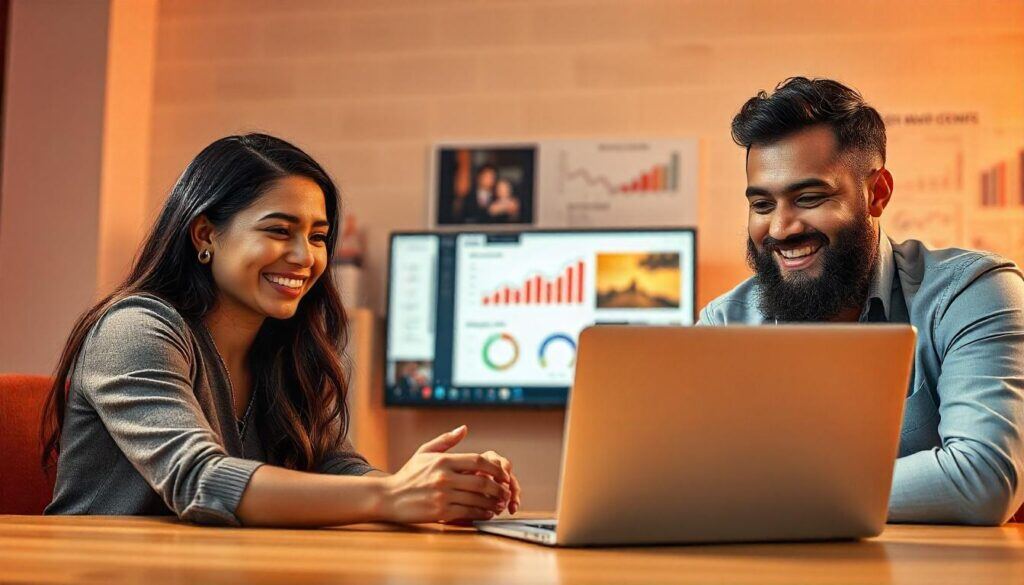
(493, 345)
(553, 338)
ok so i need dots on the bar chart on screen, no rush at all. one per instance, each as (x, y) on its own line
(564, 289)
(513, 297)
(522, 302)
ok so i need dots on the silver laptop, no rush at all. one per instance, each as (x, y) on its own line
(728, 434)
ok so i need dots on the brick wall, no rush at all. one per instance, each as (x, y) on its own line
(367, 86)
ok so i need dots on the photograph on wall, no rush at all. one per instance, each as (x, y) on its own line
(484, 185)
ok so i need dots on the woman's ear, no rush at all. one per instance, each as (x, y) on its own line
(202, 233)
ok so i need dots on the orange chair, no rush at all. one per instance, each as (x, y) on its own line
(24, 487)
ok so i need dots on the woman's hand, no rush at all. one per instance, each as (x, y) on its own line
(513, 485)
(435, 486)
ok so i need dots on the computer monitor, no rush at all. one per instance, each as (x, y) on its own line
(492, 318)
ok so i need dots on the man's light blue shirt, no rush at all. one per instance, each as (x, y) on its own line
(961, 453)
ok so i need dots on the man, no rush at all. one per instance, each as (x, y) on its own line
(475, 210)
(817, 187)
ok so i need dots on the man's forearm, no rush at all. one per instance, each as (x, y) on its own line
(956, 485)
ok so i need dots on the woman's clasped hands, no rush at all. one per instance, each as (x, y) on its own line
(437, 486)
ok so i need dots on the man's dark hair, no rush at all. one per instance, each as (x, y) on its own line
(800, 103)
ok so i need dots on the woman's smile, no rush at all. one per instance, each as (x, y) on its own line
(288, 285)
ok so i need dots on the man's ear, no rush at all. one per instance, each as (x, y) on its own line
(880, 190)
(203, 234)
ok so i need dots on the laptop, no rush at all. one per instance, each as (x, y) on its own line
(727, 434)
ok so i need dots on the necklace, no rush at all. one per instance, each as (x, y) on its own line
(245, 417)
(244, 421)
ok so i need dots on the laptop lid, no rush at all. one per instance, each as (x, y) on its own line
(719, 434)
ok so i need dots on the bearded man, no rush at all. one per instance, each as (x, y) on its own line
(817, 187)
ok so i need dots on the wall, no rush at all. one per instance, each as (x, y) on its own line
(128, 114)
(75, 165)
(366, 86)
(53, 125)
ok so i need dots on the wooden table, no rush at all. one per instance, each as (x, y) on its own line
(148, 550)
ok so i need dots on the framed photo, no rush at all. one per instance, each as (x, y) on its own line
(484, 184)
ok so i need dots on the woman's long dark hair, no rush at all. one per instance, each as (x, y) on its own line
(298, 380)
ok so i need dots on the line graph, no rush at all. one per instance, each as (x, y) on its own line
(586, 177)
(939, 225)
(659, 178)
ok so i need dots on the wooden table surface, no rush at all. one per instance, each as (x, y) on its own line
(36, 549)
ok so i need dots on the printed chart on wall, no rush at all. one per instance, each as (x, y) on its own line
(958, 182)
(566, 183)
(522, 306)
(585, 183)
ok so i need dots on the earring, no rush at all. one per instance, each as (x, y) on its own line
(204, 256)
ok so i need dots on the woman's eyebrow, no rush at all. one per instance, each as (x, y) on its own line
(293, 219)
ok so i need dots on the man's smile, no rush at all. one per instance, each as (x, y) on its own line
(797, 257)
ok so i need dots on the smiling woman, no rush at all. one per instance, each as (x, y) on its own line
(209, 384)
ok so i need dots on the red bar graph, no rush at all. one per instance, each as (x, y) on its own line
(1020, 173)
(565, 289)
(994, 186)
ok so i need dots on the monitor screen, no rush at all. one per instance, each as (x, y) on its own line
(492, 318)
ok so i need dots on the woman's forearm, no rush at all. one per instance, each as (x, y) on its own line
(432, 486)
(282, 497)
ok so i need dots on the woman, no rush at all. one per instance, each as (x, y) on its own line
(504, 208)
(209, 384)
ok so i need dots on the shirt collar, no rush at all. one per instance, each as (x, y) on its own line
(882, 279)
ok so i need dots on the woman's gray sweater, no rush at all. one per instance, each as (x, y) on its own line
(149, 427)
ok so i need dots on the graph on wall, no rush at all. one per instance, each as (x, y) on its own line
(660, 178)
(618, 183)
(958, 185)
(938, 224)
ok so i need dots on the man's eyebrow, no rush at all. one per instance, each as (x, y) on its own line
(293, 219)
(809, 184)
(797, 186)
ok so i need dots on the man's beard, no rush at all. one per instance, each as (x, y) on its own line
(847, 266)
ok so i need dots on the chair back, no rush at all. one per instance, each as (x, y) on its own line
(24, 487)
